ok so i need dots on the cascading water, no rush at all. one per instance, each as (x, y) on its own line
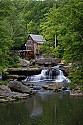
(49, 75)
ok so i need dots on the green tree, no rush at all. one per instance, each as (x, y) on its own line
(6, 41)
(34, 12)
(18, 18)
(65, 20)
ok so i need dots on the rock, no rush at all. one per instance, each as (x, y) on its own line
(66, 70)
(18, 77)
(19, 87)
(24, 62)
(20, 91)
(36, 87)
(76, 93)
(4, 88)
(19, 73)
(47, 61)
(55, 87)
(6, 96)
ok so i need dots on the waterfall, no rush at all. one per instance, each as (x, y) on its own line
(61, 77)
(49, 75)
(0, 77)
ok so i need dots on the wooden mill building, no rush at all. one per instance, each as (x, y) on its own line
(33, 44)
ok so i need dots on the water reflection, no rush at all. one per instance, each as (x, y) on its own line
(34, 107)
(36, 112)
(44, 108)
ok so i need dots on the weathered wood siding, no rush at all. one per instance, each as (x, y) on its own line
(30, 44)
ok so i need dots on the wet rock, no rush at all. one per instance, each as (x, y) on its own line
(76, 93)
(66, 70)
(17, 77)
(19, 73)
(19, 87)
(54, 87)
(52, 72)
(36, 87)
(6, 95)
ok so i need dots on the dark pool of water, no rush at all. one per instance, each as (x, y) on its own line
(44, 108)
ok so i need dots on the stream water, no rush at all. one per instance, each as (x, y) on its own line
(44, 108)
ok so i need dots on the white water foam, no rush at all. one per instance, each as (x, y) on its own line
(49, 75)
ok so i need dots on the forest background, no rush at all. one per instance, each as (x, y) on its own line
(50, 18)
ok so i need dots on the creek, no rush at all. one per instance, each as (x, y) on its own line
(44, 108)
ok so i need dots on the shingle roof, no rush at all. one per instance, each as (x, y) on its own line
(37, 38)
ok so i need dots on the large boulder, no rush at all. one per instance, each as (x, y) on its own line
(47, 61)
(6, 95)
(19, 87)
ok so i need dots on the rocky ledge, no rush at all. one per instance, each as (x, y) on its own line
(19, 73)
(14, 91)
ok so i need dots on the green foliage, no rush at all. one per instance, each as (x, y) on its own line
(34, 12)
(76, 74)
(65, 20)
(17, 20)
(62, 18)
(16, 97)
(4, 82)
(47, 49)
